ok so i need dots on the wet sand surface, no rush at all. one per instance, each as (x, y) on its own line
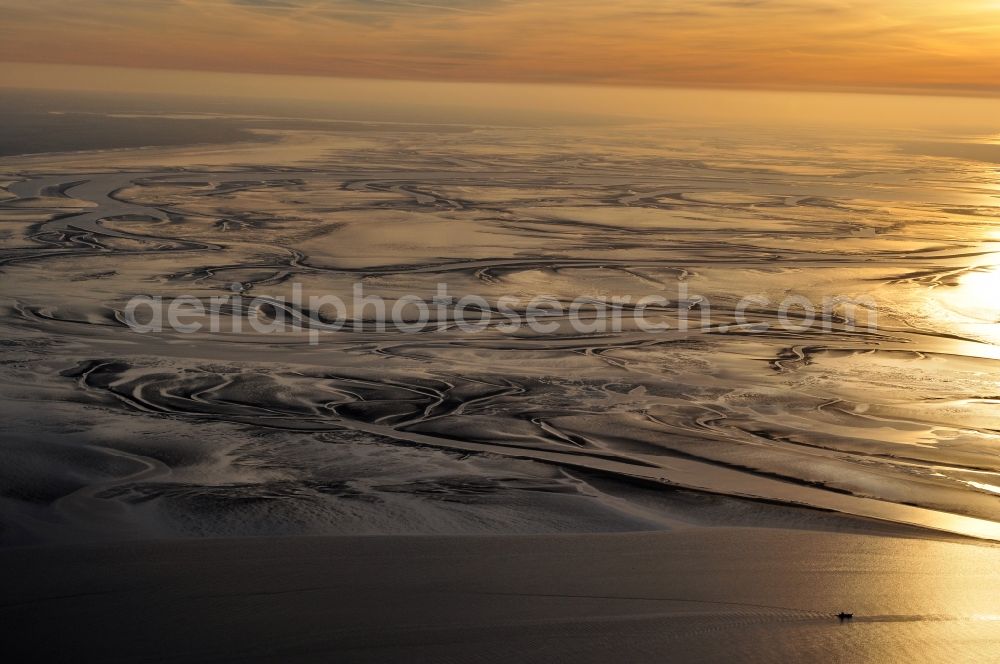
(713, 491)
(885, 410)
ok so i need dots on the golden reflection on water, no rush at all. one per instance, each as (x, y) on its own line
(956, 523)
(981, 289)
(976, 299)
(985, 487)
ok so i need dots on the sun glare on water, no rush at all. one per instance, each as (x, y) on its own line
(979, 294)
(976, 302)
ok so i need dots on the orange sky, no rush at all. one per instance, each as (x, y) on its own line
(889, 44)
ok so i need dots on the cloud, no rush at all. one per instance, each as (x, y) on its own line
(804, 43)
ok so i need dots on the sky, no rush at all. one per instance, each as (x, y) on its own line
(891, 45)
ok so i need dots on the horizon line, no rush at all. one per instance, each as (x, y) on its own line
(917, 91)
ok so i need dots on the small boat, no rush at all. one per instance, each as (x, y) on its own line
(845, 616)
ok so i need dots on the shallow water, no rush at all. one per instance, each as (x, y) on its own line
(712, 595)
(887, 409)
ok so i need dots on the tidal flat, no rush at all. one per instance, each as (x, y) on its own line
(871, 424)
